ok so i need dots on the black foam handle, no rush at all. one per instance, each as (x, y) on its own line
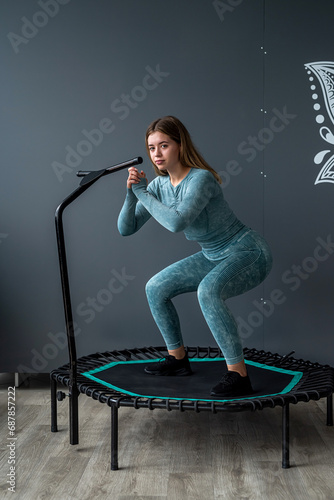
(126, 164)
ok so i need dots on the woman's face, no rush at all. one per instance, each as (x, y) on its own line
(164, 152)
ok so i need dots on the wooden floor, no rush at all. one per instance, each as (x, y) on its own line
(166, 455)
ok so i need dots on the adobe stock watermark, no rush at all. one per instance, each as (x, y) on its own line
(224, 7)
(255, 144)
(31, 27)
(87, 309)
(293, 278)
(121, 107)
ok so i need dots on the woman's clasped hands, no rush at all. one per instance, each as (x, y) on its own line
(134, 177)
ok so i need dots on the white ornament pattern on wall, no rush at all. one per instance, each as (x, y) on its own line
(322, 74)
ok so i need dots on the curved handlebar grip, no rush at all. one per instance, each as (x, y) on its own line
(129, 163)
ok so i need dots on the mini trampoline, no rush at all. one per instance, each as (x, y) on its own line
(117, 378)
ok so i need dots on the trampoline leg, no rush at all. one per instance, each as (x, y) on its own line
(329, 410)
(74, 415)
(114, 438)
(285, 437)
(54, 427)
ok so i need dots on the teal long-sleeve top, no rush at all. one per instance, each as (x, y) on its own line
(195, 206)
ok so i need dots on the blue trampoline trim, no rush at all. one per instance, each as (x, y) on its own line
(296, 378)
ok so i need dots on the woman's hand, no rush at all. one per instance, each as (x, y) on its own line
(134, 177)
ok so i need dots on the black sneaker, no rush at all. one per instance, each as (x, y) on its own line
(170, 366)
(232, 384)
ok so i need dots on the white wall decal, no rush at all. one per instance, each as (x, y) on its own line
(324, 72)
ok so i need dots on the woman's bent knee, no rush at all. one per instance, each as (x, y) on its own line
(151, 287)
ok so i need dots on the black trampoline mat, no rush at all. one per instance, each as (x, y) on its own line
(128, 377)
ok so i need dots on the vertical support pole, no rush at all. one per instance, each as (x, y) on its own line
(329, 410)
(54, 427)
(285, 437)
(89, 180)
(73, 390)
(114, 438)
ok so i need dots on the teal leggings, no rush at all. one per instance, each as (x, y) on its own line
(243, 265)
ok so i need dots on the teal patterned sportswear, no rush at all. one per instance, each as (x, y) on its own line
(233, 258)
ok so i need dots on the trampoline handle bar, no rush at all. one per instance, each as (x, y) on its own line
(89, 178)
(125, 164)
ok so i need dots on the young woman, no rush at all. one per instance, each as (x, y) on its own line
(186, 196)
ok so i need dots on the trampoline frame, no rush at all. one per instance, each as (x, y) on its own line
(317, 381)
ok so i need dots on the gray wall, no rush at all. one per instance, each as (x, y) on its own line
(234, 72)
